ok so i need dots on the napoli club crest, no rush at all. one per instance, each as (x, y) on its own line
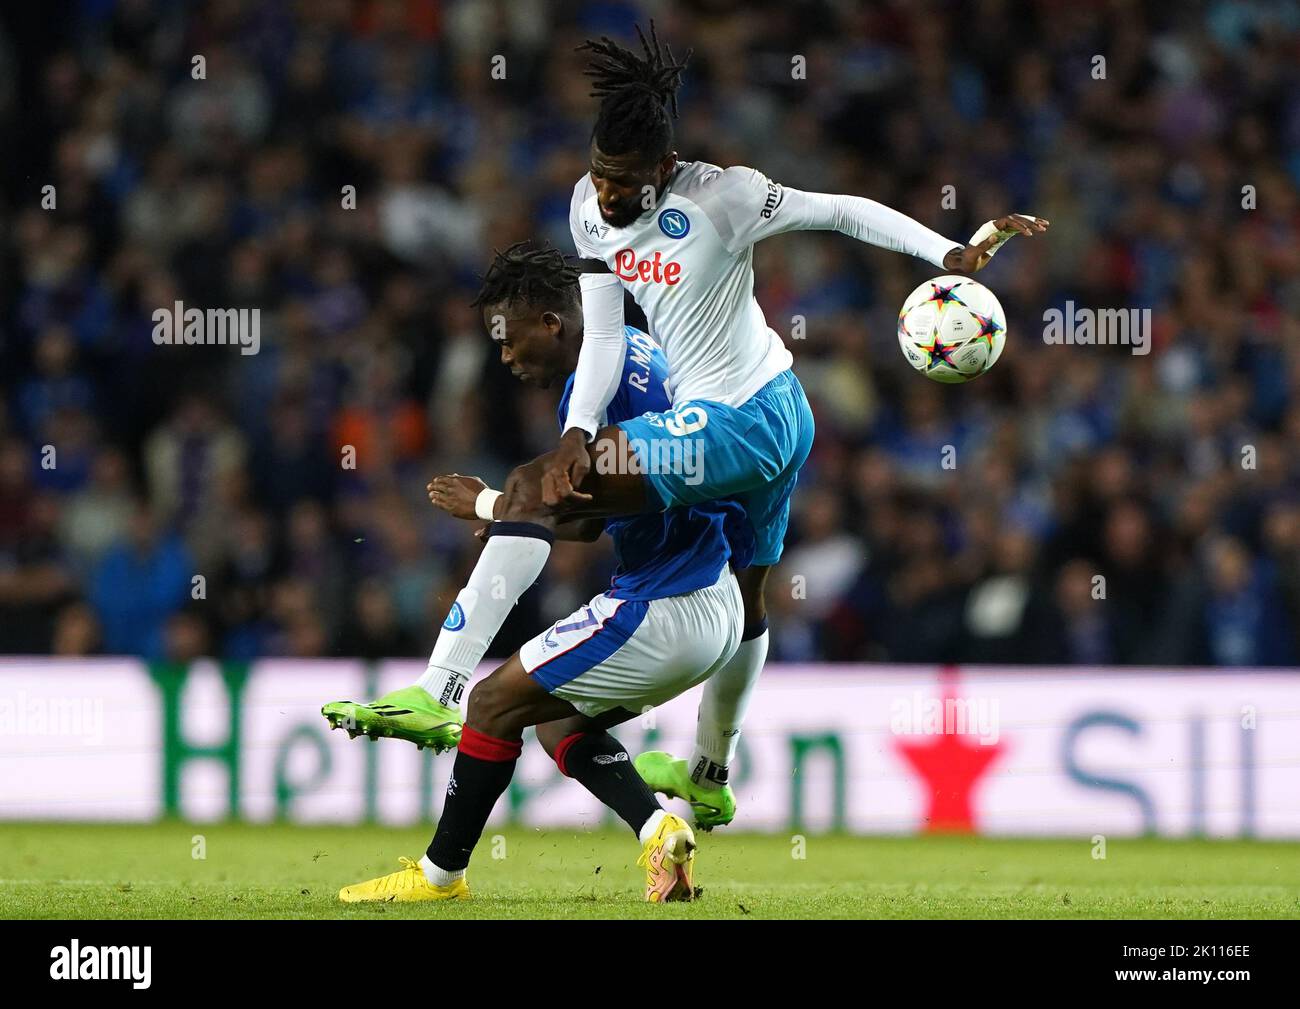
(455, 619)
(674, 224)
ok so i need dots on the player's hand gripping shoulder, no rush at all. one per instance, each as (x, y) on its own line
(566, 468)
(456, 495)
(991, 237)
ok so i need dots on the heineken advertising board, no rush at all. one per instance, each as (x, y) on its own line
(867, 749)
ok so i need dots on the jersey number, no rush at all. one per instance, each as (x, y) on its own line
(687, 420)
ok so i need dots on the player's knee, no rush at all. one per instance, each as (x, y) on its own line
(550, 734)
(558, 737)
(487, 702)
(495, 707)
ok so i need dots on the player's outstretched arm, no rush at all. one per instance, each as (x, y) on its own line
(869, 221)
(755, 207)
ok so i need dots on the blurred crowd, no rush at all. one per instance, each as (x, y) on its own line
(347, 167)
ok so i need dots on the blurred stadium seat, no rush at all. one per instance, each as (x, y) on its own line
(1173, 476)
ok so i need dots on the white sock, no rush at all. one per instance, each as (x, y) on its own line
(446, 686)
(509, 564)
(722, 711)
(439, 877)
(651, 825)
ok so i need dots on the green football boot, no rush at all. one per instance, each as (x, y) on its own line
(713, 807)
(410, 713)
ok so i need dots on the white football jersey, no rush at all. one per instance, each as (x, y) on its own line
(689, 265)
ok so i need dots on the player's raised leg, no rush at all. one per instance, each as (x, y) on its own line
(427, 713)
(518, 544)
(703, 780)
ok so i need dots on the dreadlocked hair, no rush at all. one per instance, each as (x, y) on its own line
(633, 91)
(538, 275)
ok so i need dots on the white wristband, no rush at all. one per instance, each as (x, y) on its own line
(485, 503)
(989, 229)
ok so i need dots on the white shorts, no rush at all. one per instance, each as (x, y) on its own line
(618, 653)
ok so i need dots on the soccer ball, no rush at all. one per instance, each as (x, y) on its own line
(952, 329)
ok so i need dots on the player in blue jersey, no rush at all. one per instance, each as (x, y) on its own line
(671, 617)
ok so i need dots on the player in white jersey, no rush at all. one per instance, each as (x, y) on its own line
(679, 236)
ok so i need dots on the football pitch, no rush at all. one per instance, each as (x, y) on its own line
(276, 871)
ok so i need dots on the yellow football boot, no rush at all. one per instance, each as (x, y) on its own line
(409, 883)
(669, 861)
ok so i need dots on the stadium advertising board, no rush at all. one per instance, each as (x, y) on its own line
(866, 749)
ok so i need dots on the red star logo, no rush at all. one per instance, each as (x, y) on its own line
(950, 765)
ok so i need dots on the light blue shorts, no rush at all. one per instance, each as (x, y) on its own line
(702, 451)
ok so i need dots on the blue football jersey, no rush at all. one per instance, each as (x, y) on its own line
(682, 549)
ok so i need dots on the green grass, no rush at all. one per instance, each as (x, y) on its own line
(99, 871)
